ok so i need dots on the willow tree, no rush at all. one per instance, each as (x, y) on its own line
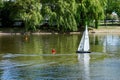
(96, 9)
(6, 11)
(62, 14)
(90, 10)
(65, 15)
(113, 6)
(68, 14)
(1, 3)
(29, 12)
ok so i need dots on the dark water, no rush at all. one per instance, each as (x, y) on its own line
(30, 57)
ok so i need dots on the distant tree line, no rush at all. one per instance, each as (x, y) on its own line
(59, 15)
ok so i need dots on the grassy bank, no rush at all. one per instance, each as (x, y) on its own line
(106, 29)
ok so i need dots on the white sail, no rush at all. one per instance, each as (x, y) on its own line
(81, 47)
(84, 43)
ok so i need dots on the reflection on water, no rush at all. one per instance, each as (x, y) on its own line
(84, 60)
(38, 44)
(108, 43)
(30, 58)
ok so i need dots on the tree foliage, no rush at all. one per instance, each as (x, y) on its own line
(6, 17)
(90, 10)
(70, 14)
(62, 15)
(29, 12)
(113, 6)
(1, 3)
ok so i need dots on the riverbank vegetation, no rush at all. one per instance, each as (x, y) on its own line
(55, 15)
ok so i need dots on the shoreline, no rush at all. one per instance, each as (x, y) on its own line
(104, 30)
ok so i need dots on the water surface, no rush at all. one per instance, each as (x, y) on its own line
(30, 57)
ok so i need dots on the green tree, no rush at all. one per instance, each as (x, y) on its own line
(89, 10)
(6, 11)
(113, 6)
(0, 3)
(29, 12)
(62, 14)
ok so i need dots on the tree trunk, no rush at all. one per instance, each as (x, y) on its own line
(96, 23)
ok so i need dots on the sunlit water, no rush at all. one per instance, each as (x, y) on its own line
(30, 57)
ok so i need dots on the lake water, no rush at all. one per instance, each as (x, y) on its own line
(30, 57)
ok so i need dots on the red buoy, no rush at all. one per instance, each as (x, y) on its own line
(53, 51)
